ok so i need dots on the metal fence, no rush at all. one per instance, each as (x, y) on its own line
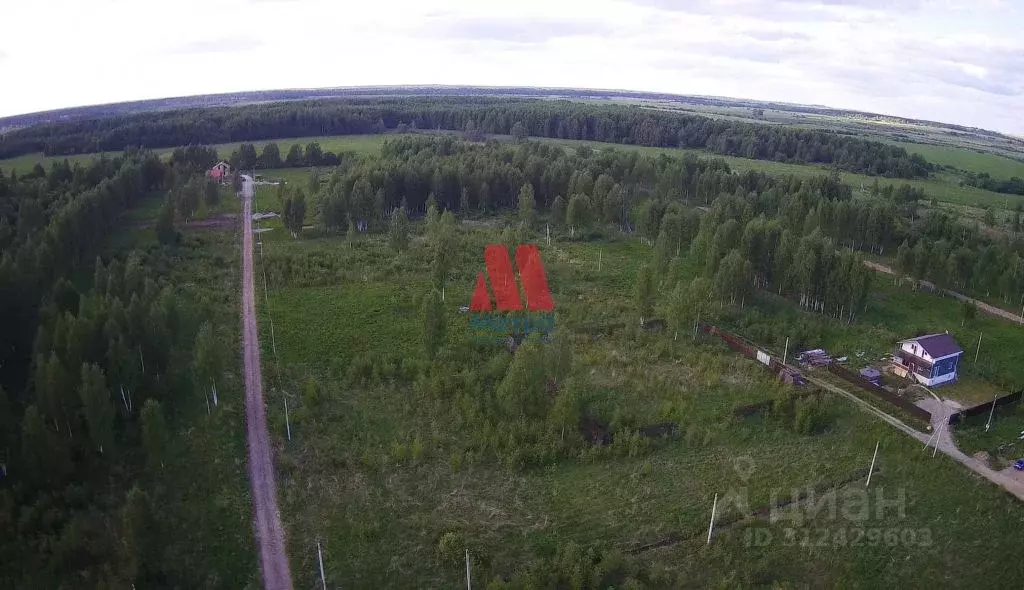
(985, 407)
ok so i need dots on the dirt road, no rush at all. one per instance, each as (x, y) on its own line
(947, 445)
(269, 532)
(984, 307)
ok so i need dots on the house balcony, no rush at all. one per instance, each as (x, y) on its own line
(913, 363)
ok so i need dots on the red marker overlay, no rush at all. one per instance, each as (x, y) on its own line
(535, 281)
(481, 298)
(503, 282)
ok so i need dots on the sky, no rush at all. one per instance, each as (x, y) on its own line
(955, 61)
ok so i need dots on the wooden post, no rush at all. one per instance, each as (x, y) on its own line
(469, 584)
(978, 352)
(711, 527)
(872, 468)
(599, 252)
(785, 353)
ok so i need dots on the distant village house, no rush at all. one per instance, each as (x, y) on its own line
(930, 360)
(221, 172)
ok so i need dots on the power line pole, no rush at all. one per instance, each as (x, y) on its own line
(711, 527)
(991, 412)
(872, 468)
(287, 423)
(320, 557)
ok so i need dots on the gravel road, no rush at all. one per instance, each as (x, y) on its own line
(984, 307)
(270, 535)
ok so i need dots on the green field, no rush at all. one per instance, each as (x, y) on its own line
(995, 166)
(391, 457)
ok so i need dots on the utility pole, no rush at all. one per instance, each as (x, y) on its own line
(273, 340)
(320, 557)
(785, 353)
(872, 468)
(978, 351)
(469, 585)
(938, 438)
(711, 527)
(991, 412)
(287, 423)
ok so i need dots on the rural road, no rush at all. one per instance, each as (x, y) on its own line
(984, 307)
(270, 536)
(946, 443)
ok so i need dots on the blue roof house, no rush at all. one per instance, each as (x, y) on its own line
(930, 360)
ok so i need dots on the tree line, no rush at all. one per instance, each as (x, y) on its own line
(94, 355)
(584, 189)
(982, 180)
(540, 118)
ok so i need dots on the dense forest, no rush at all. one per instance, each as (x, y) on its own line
(94, 355)
(555, 119)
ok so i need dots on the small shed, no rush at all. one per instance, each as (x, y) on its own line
(871, 374)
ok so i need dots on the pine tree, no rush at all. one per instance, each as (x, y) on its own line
(527, 205)
(434, 323)
(644, 292)
(398, 229)
(97, 407)
(558, 211)
(483, 200)
(156, 439)
(137, 534)
(165, 232)
(577, 214)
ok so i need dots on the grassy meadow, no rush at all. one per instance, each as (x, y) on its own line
(966, 159)
(393, 468)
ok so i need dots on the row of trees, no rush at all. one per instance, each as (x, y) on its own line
(588, 189)
(88, 371)
(1013, 186)
(541, 118)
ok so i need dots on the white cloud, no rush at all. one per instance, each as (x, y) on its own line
(953, 60)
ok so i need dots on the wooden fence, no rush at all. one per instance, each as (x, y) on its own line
(750, 350)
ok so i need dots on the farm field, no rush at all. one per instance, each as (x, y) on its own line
(995, 166)
(398, 464)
